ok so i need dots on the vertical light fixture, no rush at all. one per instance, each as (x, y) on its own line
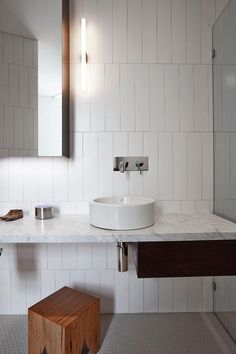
(84, 56)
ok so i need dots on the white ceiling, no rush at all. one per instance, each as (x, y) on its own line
(41, 20)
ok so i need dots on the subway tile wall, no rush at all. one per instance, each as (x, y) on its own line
(149, 93)
(18, 95)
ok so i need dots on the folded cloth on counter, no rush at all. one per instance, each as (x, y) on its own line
(12, 215)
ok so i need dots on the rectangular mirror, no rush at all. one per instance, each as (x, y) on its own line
(34, 77)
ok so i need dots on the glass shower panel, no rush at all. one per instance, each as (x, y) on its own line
(224, 88)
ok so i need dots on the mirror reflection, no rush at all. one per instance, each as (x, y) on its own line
(31, 78)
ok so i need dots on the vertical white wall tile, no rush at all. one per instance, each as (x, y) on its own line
(91, 282)
(194, 166)
(4, 83)
(33, 88)
(171, 207)
(142, 95)
(165, 295)
(4, 175)
(45, 179)
(164, 31)
(105, 31)
(149, 26)
(222, 165)
(180, 294)
(54, 256)
(40, 256)
(112, 93)
(99, 253)
(134, 31)
(8, 47)
(120, 148)
(180, 166)
(107, 289)
(194, 294)
(97, 78)
(157, 97)
(228, 98)
(69, 256)
(165, 166)
(207, 21)
(8, 127)
(23, 87)
(84, 256)
(19, 128)
(186, 97)
(136, 292)
(18, 292)
(81, 101)
(33, 280)
(18, 50)
(90, 165)
(187, 206)
(135, 149)
(105, 164)
(60, 179)
(193, 31)
(201, 102)
(5, 294)
(171, 98)
(28, 52)
(30, 179)
(207, 166)
(13, 85)
(75, 169)
(151, 177)
(179, 49)
(111, 256)
(28, 128)
(62, 278)
(127, 92)
(150, 295)
(16, 179)
(121, 292)
(120, 31)
(48, 282)
(77, 279)
(90, 12)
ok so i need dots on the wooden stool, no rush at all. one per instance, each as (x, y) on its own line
(64, 322)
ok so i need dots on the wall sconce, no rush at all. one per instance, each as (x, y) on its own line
(84, 55)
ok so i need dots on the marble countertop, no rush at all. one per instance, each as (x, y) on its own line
(76, 228)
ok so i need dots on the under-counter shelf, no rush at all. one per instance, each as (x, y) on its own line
(184, 258)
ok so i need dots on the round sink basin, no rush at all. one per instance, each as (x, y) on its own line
(122, 213)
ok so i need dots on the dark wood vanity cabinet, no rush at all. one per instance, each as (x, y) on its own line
(184, 258)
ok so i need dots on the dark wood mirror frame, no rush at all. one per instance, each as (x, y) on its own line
(65, 78)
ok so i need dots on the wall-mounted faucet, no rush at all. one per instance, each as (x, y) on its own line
(132, 163)
(123, 166)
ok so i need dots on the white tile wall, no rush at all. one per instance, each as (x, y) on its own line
(149, 94)
(18, 92)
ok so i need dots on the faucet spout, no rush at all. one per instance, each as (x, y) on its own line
(123, 166)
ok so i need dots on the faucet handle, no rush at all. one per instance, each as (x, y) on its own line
(139, 166)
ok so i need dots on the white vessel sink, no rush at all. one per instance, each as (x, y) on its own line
(122, 213)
